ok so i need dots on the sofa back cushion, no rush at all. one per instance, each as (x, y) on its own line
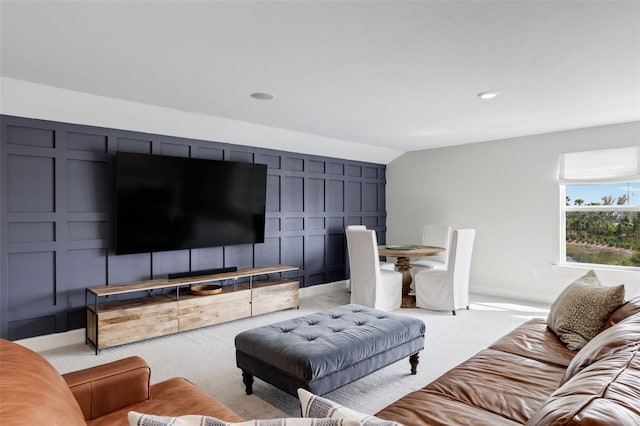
(624, 334)
(603, 393)
(630, 307)
(32, 392)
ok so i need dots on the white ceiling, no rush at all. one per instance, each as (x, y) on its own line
(402, 75)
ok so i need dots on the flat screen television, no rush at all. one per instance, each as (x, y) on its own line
(171, 203)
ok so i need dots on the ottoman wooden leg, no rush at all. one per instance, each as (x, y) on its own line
(247, 379)
(413, 360)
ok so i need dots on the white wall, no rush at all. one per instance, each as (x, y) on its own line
(25, 99)
(508, 191)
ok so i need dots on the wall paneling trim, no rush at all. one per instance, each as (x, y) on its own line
(56, 217)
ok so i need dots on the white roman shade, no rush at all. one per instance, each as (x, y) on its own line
(605, 165)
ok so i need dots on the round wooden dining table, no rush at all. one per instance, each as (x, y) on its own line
(403, 255)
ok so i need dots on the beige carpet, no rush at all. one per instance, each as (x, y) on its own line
(207, 356)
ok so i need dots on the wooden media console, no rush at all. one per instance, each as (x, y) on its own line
(175, 309)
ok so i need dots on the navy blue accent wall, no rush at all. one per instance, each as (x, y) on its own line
(56, 217)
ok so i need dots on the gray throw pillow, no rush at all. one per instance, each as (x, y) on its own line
(581, 310)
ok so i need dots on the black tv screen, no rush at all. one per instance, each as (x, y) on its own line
(171, 203)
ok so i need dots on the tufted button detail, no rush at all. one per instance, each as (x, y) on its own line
(334, 316)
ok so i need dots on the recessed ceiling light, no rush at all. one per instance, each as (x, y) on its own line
(487, 95)
(262, 96)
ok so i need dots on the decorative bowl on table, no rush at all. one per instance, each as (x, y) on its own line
(205, 289)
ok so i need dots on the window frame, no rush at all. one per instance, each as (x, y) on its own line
(564, 208)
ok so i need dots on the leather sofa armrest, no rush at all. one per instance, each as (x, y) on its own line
(109, 387)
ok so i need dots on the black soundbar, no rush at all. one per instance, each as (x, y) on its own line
(202, 272)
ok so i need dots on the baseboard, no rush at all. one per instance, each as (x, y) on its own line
(53, 341)
(323, 288)
(508, 294)
(73, 337)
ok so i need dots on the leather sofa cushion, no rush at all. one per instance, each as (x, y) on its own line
(624, 334)
(603, 393)
(172, 398)
(499, 387)
(505, 384)
(630, 307)
(535, 340)
(425, 407)
(28, 381)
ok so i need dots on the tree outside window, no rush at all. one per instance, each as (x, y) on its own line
(602, 223)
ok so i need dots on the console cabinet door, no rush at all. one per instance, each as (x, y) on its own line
(200, 311)
(274, 297)
(132, 321)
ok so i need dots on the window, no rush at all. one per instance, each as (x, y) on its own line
(601, 207)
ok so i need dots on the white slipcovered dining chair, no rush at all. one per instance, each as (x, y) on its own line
(448, 289)
(371, 285)
(438, 236)
(390, 266)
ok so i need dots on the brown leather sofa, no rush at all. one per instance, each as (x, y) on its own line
(529, 377)
(32, 392)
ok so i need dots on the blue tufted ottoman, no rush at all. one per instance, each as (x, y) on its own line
(323, 351)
